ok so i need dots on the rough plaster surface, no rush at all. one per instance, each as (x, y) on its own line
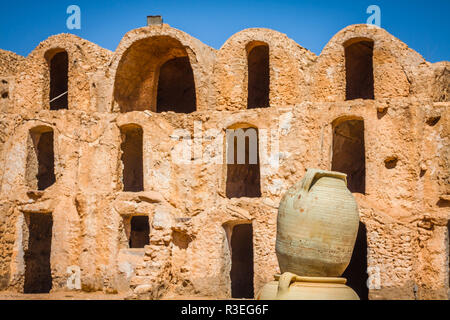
(407, 153)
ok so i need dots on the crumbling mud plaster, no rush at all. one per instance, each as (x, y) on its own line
(106, 185)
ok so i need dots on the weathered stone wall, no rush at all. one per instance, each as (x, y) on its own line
(406, 130)
(87, 62)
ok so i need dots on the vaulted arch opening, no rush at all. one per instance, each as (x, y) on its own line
(132, 158)
(258, 75)
(349, 153)
(155, 74)
(40, 167)
(356, 272)
(359, 69)
(58, 61)
(243, 168)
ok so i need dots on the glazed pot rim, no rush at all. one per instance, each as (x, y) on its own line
(315, 279)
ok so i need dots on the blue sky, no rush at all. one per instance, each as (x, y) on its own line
(423, 25)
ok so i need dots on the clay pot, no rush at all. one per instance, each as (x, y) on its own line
(318, 222)
(289, 286)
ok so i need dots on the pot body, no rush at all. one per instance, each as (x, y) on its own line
(292, 287)
(317, 226)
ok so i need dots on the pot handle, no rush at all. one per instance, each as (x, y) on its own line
(314, 174)
(284, 283)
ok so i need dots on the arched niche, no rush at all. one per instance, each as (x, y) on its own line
(132, 157)
(359, 69)
(395, 66)
(258, 87)
(58, 64)
(348, 154)
(243, 178)
(40, 164)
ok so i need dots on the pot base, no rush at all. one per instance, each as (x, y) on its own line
(289, 286)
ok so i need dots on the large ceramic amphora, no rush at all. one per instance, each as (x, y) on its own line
(318, 222)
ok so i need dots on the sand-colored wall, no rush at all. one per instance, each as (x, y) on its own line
(86, 62)
(405, 208)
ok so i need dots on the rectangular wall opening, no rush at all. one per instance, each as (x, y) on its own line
(258, 77)
(139, 232)
(242, 271)
(59, 81)
(132, 158)
(38, 277)
(359, 70)
(349, 153)
(40, 170)
(243, 169)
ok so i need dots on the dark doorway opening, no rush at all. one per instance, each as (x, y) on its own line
(59, 81)
(38, 277)
(41, 159)
(176, 87)
(243, 174)
(132, 158)
(356, 272)
(258, 77)
(46, 160)
(140, 232)
(349, 153)
(242, 262)
(359, 70)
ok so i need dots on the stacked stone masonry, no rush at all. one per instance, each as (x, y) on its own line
(91, 184)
